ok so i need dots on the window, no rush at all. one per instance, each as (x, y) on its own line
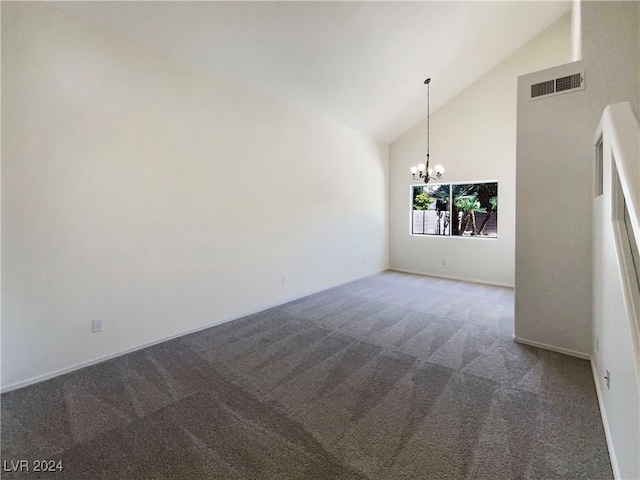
(599, 167)
(458, 209)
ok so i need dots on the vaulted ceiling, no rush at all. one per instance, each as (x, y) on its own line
(361, 64)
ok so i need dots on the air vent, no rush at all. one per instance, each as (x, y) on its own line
(559, 85)
(568, 83)
(544, 88)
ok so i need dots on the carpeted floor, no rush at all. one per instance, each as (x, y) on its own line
(394, 376)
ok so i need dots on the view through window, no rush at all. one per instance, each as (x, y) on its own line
(459, 209)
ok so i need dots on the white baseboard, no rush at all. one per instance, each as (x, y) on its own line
(603, 412)
(449, 277)
(605, 422)
(104, 358)
(553, 348)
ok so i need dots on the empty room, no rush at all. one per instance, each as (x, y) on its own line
(320, 240)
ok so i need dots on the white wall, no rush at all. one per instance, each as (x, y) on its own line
(611, 46)
(613, 348)
(555, 181)
(553, 223)
(576, 30)
(555, 208)
(161, 198)
(473, 136)
(616, 300)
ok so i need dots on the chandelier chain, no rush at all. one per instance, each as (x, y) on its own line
(428, 121)
(422, 171)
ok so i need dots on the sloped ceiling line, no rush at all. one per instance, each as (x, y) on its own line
(360, 64)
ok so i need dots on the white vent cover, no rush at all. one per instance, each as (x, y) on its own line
(569, 83)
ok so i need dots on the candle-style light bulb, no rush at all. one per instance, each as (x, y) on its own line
(414, 170)
(439, 169)
(421, 167)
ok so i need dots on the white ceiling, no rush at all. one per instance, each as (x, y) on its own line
(361, 64)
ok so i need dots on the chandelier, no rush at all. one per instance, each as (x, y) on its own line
(422, 171)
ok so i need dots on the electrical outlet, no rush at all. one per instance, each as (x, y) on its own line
(96, 326)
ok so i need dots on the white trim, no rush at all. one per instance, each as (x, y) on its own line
(94, 361)
(553, 348)
(605, 422)
(451, 182)
(433, 235)
(449, 277)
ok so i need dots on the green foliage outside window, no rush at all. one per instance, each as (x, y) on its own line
(422, 201)
(461, 209)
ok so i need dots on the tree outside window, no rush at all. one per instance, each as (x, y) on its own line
(459, 209)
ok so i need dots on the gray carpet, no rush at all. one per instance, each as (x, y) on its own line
(394, 376)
